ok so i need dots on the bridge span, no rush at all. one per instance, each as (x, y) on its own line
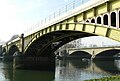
(93, 51)
(93, 18)
(96, 52)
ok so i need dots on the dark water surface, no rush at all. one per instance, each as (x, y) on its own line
(69, 70)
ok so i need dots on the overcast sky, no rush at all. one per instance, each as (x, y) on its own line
(16, 16)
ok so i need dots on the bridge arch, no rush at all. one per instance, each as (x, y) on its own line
(107, 53)
(13, 49)
(99, 20)
(92, 20)
(119, 18)
(84, 27)
(82, 54)
(87, 21)
(105, 19)
(113, 19)
(53, 40)
(4, 50)
(64, 34)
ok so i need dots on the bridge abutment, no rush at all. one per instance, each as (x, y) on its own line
(37, 63)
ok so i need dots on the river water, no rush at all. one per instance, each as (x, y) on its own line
(67, 70)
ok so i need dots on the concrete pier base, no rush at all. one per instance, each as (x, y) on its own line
(36, 63)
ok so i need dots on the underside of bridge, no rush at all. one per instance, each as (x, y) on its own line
(8, 56)
(50, 42)
(80, 54)
(107, 55)
(13, 49)
(40, 54)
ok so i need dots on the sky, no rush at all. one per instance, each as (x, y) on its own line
(18, 16)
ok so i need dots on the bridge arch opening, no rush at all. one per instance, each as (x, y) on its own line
(108, 54)
(53, 41)
(87, 21)
(81, 54)
(113, 19)
(93, 20)
(4, 51)
(99, 20)
(105, 19)
(13, 49)
(41, 50)
(119, 19)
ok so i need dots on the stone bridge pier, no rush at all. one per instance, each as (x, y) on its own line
(29, 60)
(33, 62)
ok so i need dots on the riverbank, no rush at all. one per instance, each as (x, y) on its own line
(113, 78)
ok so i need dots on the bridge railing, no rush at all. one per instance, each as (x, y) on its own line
(54, 15)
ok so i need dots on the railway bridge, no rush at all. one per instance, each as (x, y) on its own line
(92, 18)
